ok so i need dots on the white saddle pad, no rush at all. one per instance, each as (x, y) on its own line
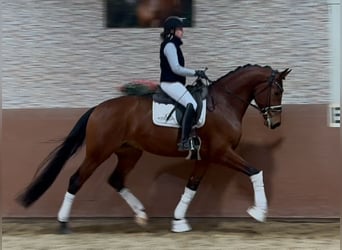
(161, 111)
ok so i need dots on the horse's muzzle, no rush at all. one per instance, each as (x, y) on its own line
(272, 121)
(275, 125)
(272, 125)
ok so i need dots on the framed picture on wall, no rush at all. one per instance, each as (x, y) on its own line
(145, 13)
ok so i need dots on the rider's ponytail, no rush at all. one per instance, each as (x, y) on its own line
(165, 35)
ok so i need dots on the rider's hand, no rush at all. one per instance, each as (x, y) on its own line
(200, 74)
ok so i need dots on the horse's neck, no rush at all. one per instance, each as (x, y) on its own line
(234, 94)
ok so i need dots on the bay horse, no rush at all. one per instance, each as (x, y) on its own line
(121, 126)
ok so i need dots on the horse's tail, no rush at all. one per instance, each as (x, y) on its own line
(53, 164)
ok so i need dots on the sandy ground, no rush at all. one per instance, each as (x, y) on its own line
(124, 234)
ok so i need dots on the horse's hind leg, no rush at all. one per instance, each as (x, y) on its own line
(127, 158)
(179, 223)
(76, 181)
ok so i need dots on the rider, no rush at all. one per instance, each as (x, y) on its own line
(173, 73)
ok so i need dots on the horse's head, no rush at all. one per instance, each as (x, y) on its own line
(268, 97)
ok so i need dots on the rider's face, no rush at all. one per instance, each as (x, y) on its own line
(179, 33)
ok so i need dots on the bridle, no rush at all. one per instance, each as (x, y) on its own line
(269, 108)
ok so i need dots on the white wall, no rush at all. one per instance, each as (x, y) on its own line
(58, 53)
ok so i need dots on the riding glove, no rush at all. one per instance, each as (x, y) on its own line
(200, 74)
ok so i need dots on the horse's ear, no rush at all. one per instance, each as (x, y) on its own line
(285, 73)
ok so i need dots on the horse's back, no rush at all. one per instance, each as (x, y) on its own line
(121, 113)
(124, 104)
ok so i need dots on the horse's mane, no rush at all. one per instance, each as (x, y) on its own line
(147, 88)
(240, 68)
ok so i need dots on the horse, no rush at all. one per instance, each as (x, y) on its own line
(151, 13)
(105, 130)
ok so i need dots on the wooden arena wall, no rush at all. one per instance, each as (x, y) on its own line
(301, 162)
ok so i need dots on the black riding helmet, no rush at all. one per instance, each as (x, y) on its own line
(173, 22)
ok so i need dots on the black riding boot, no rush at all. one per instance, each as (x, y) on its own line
(187, 122)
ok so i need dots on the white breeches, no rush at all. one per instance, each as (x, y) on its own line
(179, 93)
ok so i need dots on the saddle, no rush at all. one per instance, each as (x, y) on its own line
(199, 91)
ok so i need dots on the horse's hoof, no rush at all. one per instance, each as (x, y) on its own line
(64, 228)
(180, 226)
(141, 219)
(257, 213)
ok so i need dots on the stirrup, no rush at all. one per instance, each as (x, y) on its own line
(194, 153)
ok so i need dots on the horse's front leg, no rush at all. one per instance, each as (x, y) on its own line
(179, 223)
(259, 210)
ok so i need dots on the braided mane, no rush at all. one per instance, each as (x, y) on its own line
(240, 68)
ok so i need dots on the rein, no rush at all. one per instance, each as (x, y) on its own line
(266, 111)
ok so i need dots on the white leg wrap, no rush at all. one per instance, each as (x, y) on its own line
(259, 191)
(64, 211)
(179, 224)
(184, 203)
(259, 210)
(132, 201)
